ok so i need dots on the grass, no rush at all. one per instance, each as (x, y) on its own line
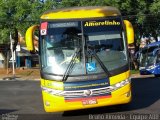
(134, 71)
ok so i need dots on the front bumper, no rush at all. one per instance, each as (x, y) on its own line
(53, 103)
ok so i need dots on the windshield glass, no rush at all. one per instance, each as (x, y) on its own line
(107, 42)
(147, 58)
(61, 40)
(59, 45)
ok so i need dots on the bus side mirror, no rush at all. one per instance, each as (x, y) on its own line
(29, 37)
(129, 32)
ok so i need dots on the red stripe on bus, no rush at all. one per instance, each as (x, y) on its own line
(81, 99)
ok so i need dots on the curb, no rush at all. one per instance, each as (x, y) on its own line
(18, 79)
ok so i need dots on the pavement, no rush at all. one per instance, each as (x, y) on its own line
(20, 74)
(34, 74)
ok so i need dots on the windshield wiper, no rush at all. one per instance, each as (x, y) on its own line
(92, 52)
(71, 64)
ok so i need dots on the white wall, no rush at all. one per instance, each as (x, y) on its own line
(1, 59)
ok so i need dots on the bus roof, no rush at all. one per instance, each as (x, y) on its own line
(81, 12)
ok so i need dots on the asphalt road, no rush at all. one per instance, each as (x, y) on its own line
(22, 100)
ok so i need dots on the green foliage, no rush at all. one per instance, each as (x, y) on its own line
(155, 7)
(4, 35)
(20, 14)
(24, 13)
(134, 72)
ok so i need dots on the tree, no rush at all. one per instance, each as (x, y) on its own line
(18, 16)
(154, 9)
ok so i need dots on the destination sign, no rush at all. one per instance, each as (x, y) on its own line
(101, 23)
(65, 24)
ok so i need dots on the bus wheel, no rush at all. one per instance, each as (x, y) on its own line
(157, 75)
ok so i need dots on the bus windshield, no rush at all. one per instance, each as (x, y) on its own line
(147, 57)
(82, 42)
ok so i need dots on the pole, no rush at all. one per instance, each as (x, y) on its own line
(7, 61)
(13, 67)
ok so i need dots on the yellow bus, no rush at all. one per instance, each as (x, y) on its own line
(83, 57)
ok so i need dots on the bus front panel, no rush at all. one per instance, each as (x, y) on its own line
(84, 64)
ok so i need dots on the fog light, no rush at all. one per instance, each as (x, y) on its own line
(47, 103)
(128, 94)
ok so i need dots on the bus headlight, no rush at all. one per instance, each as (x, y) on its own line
(121, 84)
(151, 67)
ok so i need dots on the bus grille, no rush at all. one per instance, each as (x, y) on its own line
(79, 93)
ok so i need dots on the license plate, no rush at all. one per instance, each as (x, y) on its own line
(89, 102)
